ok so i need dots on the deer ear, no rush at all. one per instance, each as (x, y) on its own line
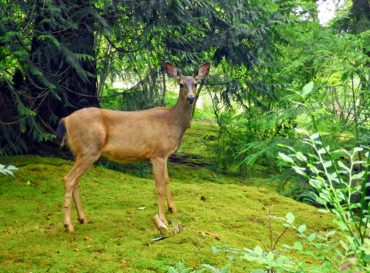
(171, 70)
(203, 71)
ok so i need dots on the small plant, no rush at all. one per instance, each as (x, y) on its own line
(319, 247)
(339, 180)
(181, 268)
(269, 256)
(7, 170)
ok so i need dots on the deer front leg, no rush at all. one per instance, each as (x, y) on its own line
(158, 173)
(170, 203)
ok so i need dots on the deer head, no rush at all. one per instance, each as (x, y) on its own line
(188, 84)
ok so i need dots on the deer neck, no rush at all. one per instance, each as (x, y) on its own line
(182, 115)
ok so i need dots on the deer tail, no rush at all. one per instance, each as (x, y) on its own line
(61, 132)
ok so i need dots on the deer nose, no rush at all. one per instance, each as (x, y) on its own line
(190, 99)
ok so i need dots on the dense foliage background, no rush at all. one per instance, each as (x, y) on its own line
(59, 56)
(276, 72)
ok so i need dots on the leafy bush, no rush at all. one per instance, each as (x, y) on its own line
(246, 140)
(341, 173)
(339, 181)
(326, 254)
(339, 184)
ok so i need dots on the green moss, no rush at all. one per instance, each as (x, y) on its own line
(119, 236)
(198, 139)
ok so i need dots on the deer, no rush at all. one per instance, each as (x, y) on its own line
(128, 136)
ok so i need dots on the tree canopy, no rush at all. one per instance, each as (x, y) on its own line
(59, 56)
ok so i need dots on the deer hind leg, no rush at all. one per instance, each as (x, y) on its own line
(158, 173)
(81, 165)
(170, 203)
(81, 215)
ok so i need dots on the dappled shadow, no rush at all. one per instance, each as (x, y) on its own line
(189, 160)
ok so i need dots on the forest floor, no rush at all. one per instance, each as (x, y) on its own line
(215, 209)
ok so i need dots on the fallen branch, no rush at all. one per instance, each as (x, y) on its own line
(163, 229)
(207, 233)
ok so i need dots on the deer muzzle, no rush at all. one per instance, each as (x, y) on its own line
(190, 99)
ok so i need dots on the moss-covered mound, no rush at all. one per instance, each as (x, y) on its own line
(214, 210)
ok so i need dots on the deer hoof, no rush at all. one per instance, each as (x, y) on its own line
(164, 221)
(172, 209)
(83, 221)
(69, 228)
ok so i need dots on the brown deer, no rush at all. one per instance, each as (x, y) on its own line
(147, 135)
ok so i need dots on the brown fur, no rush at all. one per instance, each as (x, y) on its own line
(151, 135)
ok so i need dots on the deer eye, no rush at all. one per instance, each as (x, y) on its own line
(195, 85)
(181, 85)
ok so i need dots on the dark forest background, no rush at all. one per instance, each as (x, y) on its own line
(59, 56)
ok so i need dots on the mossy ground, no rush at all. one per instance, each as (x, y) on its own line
(119, 235)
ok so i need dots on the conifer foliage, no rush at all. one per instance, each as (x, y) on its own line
(48, 53)
(56, 54)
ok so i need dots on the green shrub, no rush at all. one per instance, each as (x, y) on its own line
(339, 182)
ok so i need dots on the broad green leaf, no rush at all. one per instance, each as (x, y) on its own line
(313, 168)
(307, 89)
(299, 170)
(321, 201)
(286, 146)
(312, 237)
(358, 175)
(302, 228)
(258, 250)
(301, 156)
(327, 164)
(270, 256)
(290, 218)
(316, 182)
(358, 162)
(343, 244)
(298, 245)
(301, 131)
(286, 157)
(344, 167)
(314, 136)
(321, 151)
(330, 233)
